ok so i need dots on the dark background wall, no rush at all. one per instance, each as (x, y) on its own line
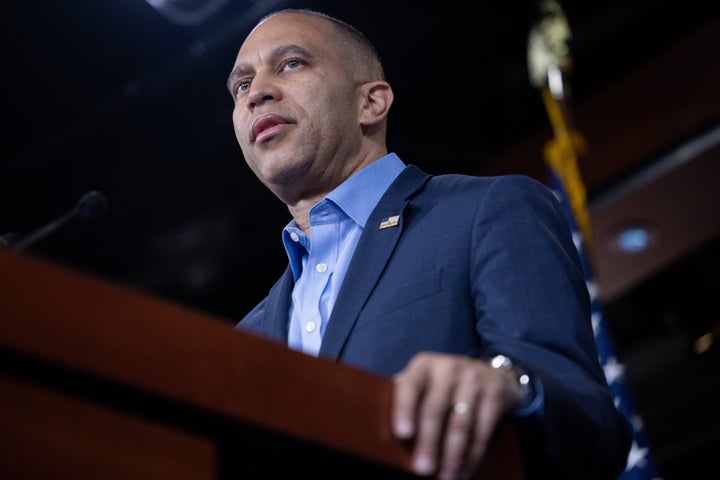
(122, 98)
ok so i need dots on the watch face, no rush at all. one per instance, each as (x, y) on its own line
(503, 362)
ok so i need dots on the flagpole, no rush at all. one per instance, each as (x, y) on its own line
(548, 60)
(548, 57)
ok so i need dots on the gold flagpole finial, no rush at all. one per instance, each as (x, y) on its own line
(548, 61)
(548, 48)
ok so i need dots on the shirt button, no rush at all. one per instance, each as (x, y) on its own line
(294, 236)
(321, 267)
(309, 326)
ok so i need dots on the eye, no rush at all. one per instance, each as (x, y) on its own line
(292, 64)
(242, 86)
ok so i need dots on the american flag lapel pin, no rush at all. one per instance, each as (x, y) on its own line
(390, 222)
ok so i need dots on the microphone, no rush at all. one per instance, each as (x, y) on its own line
(92, 205)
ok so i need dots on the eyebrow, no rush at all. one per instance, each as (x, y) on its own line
(238, 71)
(242, 69)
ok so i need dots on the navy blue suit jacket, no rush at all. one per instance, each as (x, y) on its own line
(476, 266)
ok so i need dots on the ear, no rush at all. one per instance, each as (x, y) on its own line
(376, 99)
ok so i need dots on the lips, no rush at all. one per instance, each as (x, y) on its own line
(267, 125)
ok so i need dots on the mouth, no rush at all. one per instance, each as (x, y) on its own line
(266, 126)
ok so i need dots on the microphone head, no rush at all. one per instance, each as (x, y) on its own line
(9, 239)
(92, 205)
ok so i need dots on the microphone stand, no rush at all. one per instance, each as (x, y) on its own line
(91, 205)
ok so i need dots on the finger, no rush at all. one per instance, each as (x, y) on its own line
(430, 430)
(458, 433)
(409, 387)
(491, 408)
(460, 425)
(406, 393)
(422, 395)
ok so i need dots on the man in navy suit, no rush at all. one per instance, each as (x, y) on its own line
(467, 291)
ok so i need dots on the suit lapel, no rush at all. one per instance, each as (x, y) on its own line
(372, 253)
(277, 309)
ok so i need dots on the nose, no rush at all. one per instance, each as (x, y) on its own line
(262, 89)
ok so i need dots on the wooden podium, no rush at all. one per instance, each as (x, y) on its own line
(101, 381)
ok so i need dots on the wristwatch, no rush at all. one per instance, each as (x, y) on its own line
(503, 362)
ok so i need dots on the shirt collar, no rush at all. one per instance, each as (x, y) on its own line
(359, 195)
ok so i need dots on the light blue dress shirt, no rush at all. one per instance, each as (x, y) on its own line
(320, 260)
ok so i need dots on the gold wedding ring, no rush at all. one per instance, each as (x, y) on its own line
(460, 408)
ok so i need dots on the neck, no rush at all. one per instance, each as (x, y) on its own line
(300, 212)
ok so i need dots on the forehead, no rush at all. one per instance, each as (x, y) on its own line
(307, 31)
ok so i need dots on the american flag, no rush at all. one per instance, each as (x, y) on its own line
(548, 62)
(640, 463)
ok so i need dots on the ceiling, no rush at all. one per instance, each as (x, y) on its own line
(130, 101)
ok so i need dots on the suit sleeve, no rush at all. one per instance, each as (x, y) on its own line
(532, 304)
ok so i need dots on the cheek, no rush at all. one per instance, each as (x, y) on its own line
(240, 125)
